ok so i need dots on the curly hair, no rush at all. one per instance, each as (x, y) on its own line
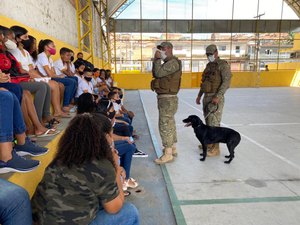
(78, 144)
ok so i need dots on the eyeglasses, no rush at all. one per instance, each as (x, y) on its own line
(209, 54)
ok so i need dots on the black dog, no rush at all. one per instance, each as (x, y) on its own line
(210, 135)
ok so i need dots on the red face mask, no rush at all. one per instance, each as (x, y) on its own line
(52, 51)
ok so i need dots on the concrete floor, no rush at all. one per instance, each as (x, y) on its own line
(262, 184)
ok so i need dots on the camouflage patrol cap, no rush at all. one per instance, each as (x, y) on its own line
(211, 49)
(165, 44)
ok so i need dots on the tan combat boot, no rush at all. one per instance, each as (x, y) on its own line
(166, 157)
(174, 151)
(213, 150)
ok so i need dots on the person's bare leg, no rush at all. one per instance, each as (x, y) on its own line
(5, 151)
(55, 97)
(21, 138)
(29, 126)
(61, 91)
(38, 127)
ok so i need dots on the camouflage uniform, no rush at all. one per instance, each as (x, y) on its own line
(74, 195)
(167, 101)
(214, 119)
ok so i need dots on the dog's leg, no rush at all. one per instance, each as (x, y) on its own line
(204, 152)
(230, 147)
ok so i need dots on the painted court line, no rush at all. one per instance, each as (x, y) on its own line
(176, 204)
(255, 142)
(239, 200)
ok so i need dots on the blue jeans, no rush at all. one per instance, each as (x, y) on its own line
(14, 88)
(128, 215)
(125, 118)
(15, 207)
(126, 151)
(11, 117)
(70, 89)
(122, 129)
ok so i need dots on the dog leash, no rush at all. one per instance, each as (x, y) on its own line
(211, 108)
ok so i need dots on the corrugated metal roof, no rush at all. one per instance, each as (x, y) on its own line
(295, 5)
(113, 6)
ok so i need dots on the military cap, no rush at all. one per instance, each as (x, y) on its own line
(211, 49)
(165, 44)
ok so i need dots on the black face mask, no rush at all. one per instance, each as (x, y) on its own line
(80, 73)
(26, 44)
(121, 96)
(88, 78)
(111, 115)
(118, 101)
(72, 58)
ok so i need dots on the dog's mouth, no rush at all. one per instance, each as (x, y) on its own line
(188, 124)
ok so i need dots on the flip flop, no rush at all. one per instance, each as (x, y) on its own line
(47, 133)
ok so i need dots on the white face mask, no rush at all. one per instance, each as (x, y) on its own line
(163, 55)
(10, 45)
(211, 58)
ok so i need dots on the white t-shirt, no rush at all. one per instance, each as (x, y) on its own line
(79, 78)
(108, 82)
(117, 107)
(59, 66)
(72, 67)
(24, 60)
(42, 61)
(84, 85)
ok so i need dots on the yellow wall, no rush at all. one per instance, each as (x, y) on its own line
(7, 22)
(272, 78)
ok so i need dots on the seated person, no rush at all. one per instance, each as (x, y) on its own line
(108, 79)
(56, 87)
(79, 68)
(86, 63)
(15, 207)
(126, 112)
(46, 68)
(85, 86)
(86, 168)
(12, 123)
(120, 115)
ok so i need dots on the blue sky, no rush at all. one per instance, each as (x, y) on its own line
(208, 9)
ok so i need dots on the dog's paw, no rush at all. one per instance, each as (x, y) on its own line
(228, 161)
(227, 156)
(202, 159)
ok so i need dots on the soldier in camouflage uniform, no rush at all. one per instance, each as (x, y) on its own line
(215, 81)
(166, 84)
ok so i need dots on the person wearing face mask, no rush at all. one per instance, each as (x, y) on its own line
(215, 81)
(166, 83)
(46, 68)
(85, 86)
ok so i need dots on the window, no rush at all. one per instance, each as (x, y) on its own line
(222, 48)
(237, 49)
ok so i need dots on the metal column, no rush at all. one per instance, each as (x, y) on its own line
(84, 15)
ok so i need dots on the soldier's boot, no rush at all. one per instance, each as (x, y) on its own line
(166, 157)
(213, 150)
(174, 151)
